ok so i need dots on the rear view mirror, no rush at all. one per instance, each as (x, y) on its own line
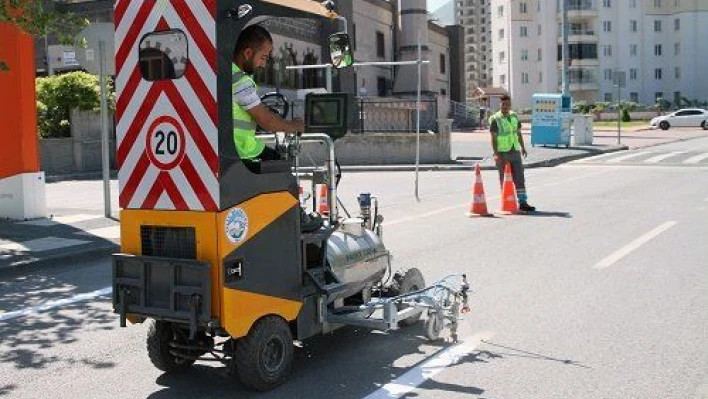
(340, 50)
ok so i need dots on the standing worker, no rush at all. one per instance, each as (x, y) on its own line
(508, 145)
(253, 49)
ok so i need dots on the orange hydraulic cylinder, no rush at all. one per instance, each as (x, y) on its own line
(18, 109)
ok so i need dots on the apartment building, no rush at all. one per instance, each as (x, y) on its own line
(475, 18)
(657, 44)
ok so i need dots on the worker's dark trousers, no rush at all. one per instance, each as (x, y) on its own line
(517, 172)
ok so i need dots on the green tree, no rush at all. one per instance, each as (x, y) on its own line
(58, 95)
(37, 20)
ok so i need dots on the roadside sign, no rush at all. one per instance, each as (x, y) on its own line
(89, 56)
(165, 143)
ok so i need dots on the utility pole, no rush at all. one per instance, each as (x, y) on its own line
(564, 27)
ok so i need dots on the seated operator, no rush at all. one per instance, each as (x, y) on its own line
(253, 49)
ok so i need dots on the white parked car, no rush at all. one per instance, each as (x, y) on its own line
(689, 117)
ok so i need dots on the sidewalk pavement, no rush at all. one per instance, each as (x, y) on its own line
(78, 226)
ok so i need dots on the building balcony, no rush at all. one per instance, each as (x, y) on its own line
(583, 85)
(580, 63)
(576, 36)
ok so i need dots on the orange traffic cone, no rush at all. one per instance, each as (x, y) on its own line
(478, 207)
(509, 204)
(323, 200)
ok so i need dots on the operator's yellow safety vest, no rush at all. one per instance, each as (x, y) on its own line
(247, 145)
(507, 126)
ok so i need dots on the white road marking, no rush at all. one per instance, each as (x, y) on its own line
(55, 304)
(41, 244)
(409, 381)
(108, 233)
(69, 219)
(629, 156)
(697, 158)
(605, 155)
(622, 252)
(662, 157)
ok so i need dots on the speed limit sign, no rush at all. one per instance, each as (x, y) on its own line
(165, 143)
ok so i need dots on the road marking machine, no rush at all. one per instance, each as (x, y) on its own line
(213, 250)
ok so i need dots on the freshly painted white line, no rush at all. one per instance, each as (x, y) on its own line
(41, 244)
(622, 252)
(55, 304)
(697, 158)
(108, 233)
(662, 157)
(589, 159)
(409, 381)
(629, 156)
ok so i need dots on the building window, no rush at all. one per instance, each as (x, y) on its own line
(657, 73)
(677, 96)
(524, 54)
(502, 79)
(443, 92)
(540, 55)
(540, 77)
(442, 64)
(677, 72)
(539, 30)
(524, 31)
(381, 86)
(657, 3)
(608, 74)
(633, 74)
(502, 57)
(500, 11)
(522, 8)
(607, 26)
(524, 78)
(607, 3)
(633, 25)
(608, 97)
(632, 3)
(633, 50)
(634, 97)
(657, 50)
(501, 34)
(380, 45)
(657, 26)
(658, 95)
(677, 48)
(677, 24)
(607, 50)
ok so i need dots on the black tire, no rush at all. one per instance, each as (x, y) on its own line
(704, 125)
(411, 281)
(264, 357)
(160, 334)
(433, 326)
(664, 125)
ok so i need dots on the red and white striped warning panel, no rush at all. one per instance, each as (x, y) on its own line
(167, 136)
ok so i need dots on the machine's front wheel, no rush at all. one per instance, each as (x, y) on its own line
(160, 334)
(411, 281)
(264, 357)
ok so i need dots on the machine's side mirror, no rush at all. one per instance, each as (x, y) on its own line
(340, 50)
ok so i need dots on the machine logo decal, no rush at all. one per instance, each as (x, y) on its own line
(236, 225)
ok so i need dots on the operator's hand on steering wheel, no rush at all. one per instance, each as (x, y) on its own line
(298, 126)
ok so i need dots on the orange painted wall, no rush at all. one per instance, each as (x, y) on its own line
(18, 109)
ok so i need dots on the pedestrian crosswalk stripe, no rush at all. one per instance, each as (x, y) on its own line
(630, 156)
(108, 233)
(40, 244)
(697, 158)
(662, 157)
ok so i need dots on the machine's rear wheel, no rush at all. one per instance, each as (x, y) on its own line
(411, 281)
(433, 326)
(160, 334)
(264, 357)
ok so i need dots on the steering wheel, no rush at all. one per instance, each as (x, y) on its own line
(277, 103)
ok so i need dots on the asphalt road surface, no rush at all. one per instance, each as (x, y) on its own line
(601, 294)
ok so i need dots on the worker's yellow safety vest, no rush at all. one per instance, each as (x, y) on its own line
(507, 126)
(247, 145)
